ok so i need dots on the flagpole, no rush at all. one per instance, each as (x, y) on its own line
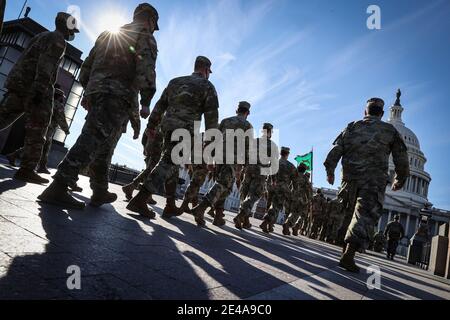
(312, 165)
(21, 11)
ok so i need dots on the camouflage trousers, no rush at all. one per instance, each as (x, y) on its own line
(334, 224)
(364, 199)
(165, 171)
(37, 119)
(45, 151)
(296, 212)
(280, 196)
(153, 150)
(96, 144)
(316, 222)
(223, 186)
(252, 189)
(199, 175)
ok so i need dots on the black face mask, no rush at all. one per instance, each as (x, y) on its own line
(69, 36)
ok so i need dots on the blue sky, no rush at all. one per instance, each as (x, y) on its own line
(306, 66)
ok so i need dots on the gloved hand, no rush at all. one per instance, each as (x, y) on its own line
(145, 112)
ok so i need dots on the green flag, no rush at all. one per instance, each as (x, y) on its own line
(307, 159)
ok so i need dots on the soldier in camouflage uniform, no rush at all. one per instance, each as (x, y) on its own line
(58, 119)
(182, 103)
(365, 147)
(303, 224)
(119, 68)
(323, 229)
(298, 201)
(335, 220)
(227, 173)
(152, 152)
(30, 93)
(252, 187)
(282, 187)
(318, 209)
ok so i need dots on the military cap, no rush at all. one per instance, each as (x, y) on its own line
(268, 126)
(302, 167)
(65, 21)
(244, 105)
(319, 191)
(203, 61)
(146, 8)
(286, 149)
(377, 102)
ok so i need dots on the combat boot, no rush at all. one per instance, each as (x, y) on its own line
(128, 190)
(295, 230)
(219, 220)
(286, 229)
(28, 175)
(151, 201)
(194, 202)
(57, 194)
(184, 208)
(239, 221)
(212, 213)
(139, 205)
(11, 159)
(265, 226)
(76, 188)
(43, 169)
(101, 197)
(271, 228)
(170, 210)
(348, 259)
(247, 225)
(199, 213)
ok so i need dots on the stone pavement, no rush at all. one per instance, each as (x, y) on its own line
(122, 256)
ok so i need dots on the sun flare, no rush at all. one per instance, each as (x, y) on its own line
(111, 21)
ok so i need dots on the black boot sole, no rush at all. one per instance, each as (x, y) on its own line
(60, 204)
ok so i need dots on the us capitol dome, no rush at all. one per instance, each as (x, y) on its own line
(415, 191)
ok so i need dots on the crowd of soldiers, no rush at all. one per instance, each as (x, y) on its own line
(119, 69)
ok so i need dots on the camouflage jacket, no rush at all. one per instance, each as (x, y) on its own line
(365, 147)
(183, 102)
(265, 146)
(228, 127)
(318, 205)
(38, 66)
(300, 189)
(286, 174)
(394, 230)
(335, 208)
(123, 65)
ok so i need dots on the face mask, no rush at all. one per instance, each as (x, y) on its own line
(70, 37)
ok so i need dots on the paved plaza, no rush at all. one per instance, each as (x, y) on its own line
(122, 256)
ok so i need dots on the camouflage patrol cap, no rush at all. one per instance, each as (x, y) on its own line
(146, 8)
(376, 102)
(319, 191)
(268, 126)
(65, 21)
(202, 62)
(285, 149)
(302, 167)
(244, 105)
